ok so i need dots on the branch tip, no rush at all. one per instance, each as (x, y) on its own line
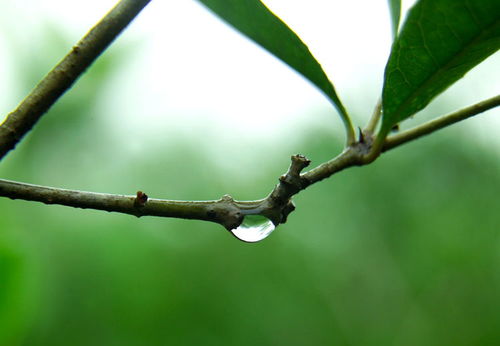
(293, 177)
(299, 162)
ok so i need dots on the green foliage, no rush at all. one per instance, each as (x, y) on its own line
(395, 10)
(256, 21)
(439, 42)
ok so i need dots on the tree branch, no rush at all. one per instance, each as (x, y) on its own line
(226, 211)
(62, 77)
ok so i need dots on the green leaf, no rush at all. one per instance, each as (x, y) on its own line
(395, 10)
(440, 41)
(256, 21)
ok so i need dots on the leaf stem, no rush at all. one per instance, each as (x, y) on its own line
(346, 120)
(375, 118)
(62, 77)
(349, 129)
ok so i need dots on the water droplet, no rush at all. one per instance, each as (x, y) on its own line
(254, 228)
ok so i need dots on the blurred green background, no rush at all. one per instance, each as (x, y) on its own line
(405, 251)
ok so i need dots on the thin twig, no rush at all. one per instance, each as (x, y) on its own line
(439, 123)
(62, 77)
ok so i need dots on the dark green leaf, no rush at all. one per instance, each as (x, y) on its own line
(440, 41)
(395, 10)
(257, 22)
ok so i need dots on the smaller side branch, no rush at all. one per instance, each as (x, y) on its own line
(62, 77)
(278, 205)
(439, 123)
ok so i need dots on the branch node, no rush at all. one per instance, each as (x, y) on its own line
(140, 199)
(364, 147)
(227, 213)
(227, 198)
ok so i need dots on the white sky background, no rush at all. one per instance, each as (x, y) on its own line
(189, 75)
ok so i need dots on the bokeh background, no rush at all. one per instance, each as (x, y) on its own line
(405, 251)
